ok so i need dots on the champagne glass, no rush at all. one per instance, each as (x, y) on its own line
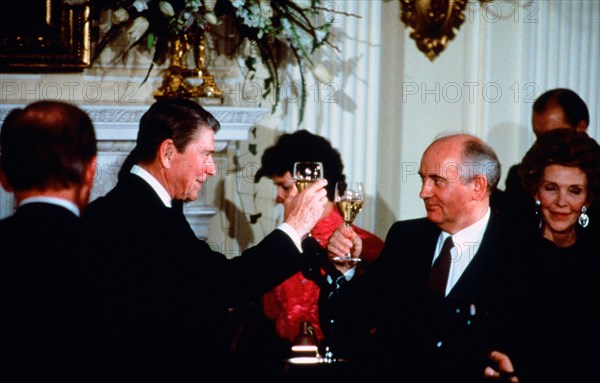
(349, 198)
(305, 173)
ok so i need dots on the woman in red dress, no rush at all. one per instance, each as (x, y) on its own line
(296, 299)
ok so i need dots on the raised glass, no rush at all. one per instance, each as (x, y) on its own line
(349, 198)
(305, 173)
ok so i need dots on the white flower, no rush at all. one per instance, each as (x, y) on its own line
(210, 5)
(321, 74)
(192, 5)
(119, 16)
(238, 3)
(140, 5)
(211, 18)
(166, 8)
(138, 28)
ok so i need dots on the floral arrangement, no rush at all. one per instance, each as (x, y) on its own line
(275, 29)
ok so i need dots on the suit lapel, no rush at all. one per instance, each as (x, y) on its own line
(476, 269)
(426, 245)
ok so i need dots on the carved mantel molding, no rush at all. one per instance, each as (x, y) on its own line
(116, 131)
(120, 122)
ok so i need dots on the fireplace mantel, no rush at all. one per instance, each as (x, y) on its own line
(120, 122)
(116, 131)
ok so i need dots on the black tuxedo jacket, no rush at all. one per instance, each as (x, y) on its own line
(166, 294)
(386, 317)
(43, 296)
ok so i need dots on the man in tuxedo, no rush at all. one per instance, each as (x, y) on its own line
(398, 318)
(558, 108)
(48, 160)
(165, 293)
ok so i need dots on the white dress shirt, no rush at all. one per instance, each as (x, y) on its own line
(54, 201)
(466, 244)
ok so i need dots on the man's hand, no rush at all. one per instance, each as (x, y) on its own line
(501, 368)
(343, 241)
(303, 210)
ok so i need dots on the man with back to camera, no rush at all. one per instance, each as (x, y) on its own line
(48, 160)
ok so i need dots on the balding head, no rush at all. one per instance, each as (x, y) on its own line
(458, 172)
(474, 155)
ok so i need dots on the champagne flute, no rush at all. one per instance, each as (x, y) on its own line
(349, 198)
(305, 174)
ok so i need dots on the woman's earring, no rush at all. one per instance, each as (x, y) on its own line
(583, 219)
(537, 212)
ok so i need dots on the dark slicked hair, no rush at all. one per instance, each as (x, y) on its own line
(302, 146)
(46, 145)
(564, 147)
(574, 108)
(174, 118)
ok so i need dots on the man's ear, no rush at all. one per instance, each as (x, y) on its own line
(166, 151)
(4, 181)
(480, 185)
(90, 172)
(582, 126)
(82, 195)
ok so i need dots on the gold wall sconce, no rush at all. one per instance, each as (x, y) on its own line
(433, 22)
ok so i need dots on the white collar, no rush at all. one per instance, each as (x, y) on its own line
(53, 201)
(154, 184)
(471, 233)
(467, 240)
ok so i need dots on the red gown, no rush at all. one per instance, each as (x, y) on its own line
(296, 299)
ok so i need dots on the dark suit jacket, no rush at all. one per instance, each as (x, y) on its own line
(166, 293)
(559, 318)
(386, 317)
(43, 296)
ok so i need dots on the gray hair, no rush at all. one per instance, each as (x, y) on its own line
(480, 159)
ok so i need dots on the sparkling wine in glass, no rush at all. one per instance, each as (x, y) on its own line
(305, 173)
(349, 198)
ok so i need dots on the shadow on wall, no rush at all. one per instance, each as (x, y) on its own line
(385, 217)
(237, 226)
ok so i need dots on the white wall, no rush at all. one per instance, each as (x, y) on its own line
(389, 101)
(508, 55)
(392, 101)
